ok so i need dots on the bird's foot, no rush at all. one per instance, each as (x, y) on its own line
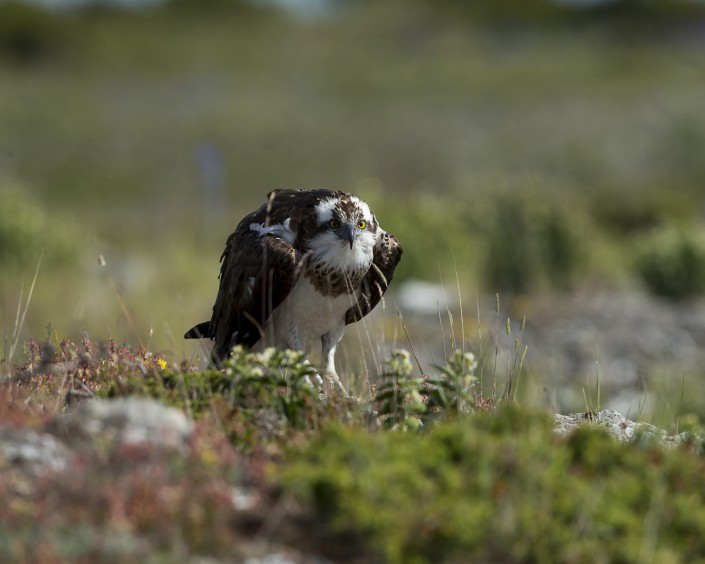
(317, 380)
(333, 382)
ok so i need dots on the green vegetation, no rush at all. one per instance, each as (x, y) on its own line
(29, 34)
(500, 487)
(257, 396)
(27, 231)
(534, 243)
(346, 479)
(671, 261)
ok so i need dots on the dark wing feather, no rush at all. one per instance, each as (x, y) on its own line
(200, 331)
(256, 275)
(387, 255)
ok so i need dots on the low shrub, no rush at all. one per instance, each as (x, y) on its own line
(532, 243)
(500, 487)
(670, 261)
(30, 33)
(26, 231)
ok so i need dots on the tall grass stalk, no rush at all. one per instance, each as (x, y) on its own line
(514, 371)
(360, 327)
(443, 332)
(460, 304)
(408, 339)
(21, 315)
(479, 336)
(643, 401)
(681, 402)
(590, 405)
(121, 302)
(453, 341)
(597, 373)
(496, 350)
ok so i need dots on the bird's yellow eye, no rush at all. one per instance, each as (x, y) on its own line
(334, 224)
(362, 224)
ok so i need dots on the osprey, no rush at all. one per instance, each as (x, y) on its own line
(296, 271)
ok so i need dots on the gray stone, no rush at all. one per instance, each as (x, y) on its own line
(126, 421)
(626, 334)
(31, 450)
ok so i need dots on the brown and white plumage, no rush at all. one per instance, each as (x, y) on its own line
(296, 271)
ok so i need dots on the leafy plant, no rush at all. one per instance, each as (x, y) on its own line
(407, 402)
(277, 378)
(255, 396)
(451, 393)
(399, 395)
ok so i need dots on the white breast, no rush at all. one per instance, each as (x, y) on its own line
(304, 317)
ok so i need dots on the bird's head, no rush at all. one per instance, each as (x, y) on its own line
(345, 234)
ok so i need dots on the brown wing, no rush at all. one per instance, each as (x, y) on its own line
(387, 255)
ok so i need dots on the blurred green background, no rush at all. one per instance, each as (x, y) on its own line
(528, 148)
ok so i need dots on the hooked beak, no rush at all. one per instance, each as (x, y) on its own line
(347, 233)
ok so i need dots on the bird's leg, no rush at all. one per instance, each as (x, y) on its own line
(330, 341)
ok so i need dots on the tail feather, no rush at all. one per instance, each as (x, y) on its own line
(200, 331)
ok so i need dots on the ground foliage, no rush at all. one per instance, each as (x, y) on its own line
(501, 488)
(423, 470)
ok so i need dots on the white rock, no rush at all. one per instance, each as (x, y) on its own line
(129, 421)
(32, 451)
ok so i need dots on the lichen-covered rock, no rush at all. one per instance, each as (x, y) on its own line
(620, 427)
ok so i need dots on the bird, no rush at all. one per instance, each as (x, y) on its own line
(297, 271)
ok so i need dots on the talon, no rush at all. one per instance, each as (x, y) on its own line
(334, 382)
